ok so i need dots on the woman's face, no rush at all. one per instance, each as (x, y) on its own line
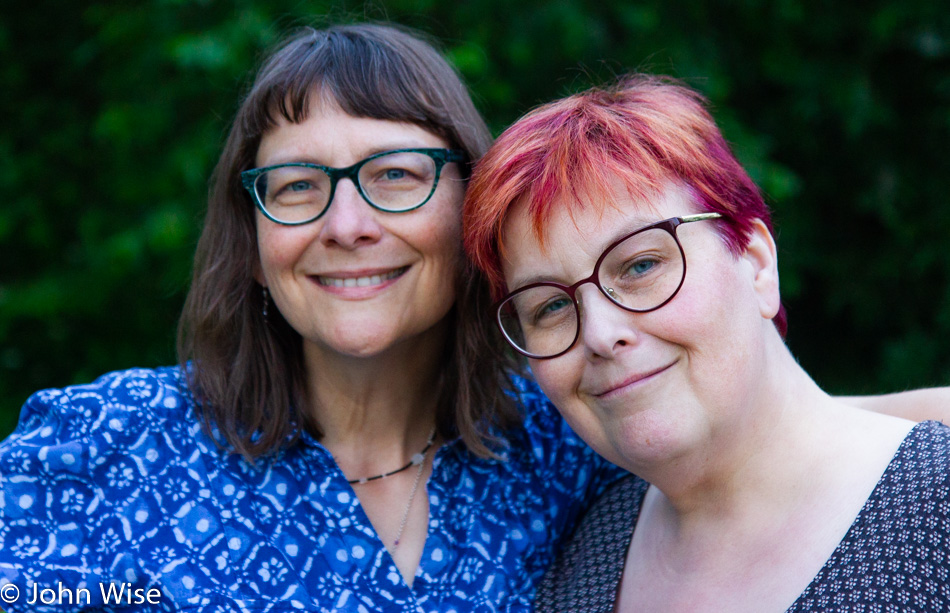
(358, 281)
(644, 387)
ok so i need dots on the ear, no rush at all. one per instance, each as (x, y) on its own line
(762, 255)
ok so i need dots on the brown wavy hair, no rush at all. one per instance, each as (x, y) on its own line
(246, 371)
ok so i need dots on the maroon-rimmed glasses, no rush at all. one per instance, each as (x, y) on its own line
(640, 272)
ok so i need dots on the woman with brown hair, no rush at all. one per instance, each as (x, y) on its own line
(340, 432)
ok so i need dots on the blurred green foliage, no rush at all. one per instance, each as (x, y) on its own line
(114, 113)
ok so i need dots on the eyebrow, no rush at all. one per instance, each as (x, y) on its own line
(636, 223)
(294, 159)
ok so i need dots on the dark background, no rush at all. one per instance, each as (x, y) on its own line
(113, 114)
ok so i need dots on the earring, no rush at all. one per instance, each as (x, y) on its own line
(266, 301)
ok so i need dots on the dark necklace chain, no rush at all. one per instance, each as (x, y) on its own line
(417, 459)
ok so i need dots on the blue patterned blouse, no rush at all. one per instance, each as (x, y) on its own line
(112, 496)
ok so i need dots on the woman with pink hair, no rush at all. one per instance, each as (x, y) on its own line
(637, 272)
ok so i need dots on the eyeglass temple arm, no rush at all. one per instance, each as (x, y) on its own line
(699, 217)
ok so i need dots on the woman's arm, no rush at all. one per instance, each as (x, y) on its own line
(916, 405)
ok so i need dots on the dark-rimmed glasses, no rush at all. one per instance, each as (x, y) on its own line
(393, 181)
(639, 273)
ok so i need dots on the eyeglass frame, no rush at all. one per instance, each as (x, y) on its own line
(441, 157)
(669, 225)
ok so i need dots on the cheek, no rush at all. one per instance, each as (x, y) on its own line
(439, 236)
(558, 379)
(713, 295)
(444, 258)
(279, 248)
(445, 239)
(449, 214)
(717, 321)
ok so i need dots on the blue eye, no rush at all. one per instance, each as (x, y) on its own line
(641, 267)
(555, 305)
(298, 186)
(550, 308)
(394, 174)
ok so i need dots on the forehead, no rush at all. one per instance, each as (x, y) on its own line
(565, 243)
(329, 135)
(589, 219)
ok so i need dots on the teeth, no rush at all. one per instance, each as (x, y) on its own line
(360, 281)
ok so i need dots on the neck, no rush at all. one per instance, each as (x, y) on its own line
(386, 402)
(781, 415)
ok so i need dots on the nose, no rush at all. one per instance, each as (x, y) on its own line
(349, 221)
(605, 327)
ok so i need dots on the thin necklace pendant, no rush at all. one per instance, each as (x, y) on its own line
(420, 460)
(412, 497)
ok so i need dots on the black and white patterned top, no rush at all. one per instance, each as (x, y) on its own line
(895, 557)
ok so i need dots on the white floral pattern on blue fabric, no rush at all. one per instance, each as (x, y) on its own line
(116, 482)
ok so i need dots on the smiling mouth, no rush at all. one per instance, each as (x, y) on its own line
(361, 281)
(635, 379)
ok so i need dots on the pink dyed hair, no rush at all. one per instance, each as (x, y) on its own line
(645, 131)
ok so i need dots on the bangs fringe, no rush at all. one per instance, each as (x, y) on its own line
(360, 76)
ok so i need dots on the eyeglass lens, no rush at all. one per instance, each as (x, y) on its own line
(639, 274)
(397, 181)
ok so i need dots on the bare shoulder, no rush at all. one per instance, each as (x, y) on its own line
(931, 403)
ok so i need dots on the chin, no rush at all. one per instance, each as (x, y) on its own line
(356, 337)
(371, 337)
(362, 345)
(648, 438)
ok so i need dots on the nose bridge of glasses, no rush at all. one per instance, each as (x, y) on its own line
(600, 324)
(596, 293)
(347, 200)
(575, 293)
(350, 172)
(594, 279)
